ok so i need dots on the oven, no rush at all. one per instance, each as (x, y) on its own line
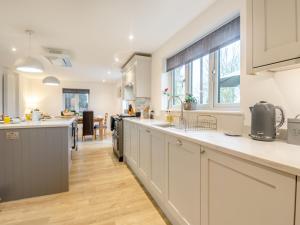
(118, 135)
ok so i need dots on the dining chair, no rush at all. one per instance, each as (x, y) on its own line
(104, 124)
(102, 127)
(87, 124)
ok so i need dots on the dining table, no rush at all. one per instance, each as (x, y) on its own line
(97, 119)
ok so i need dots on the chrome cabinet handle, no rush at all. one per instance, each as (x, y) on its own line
(178, 142)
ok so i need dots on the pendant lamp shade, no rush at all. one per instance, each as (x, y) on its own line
(53, 81)
(29, 65)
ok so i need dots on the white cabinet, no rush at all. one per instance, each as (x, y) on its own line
(235, 192)
(158, 162)
(137, 80)
(274, 27)
(297, 216)
(134, 146)
(143, 77)
(183, 181)
(144, 153)
(126, 143)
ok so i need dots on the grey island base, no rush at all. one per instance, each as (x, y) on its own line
(34, 160)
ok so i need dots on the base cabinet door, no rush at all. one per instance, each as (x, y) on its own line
(158, 161)
(183, 181)
(238, 192)
(134, 146)
(127, 146)
(144, 153)
(297, 218)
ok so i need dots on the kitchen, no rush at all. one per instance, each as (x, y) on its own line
(180, 167)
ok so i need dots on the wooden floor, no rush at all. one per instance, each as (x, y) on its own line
(102, 191)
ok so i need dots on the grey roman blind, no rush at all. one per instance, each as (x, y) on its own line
(75, 91)
(225, 35)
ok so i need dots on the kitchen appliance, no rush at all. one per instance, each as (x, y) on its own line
(294, 130)
(36, 116)
(263, 121)
(117, 128)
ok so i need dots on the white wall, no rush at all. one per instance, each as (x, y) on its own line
(279, 89)
(103, 96)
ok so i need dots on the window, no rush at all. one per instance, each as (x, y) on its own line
(214, 79)
(76, 100)
(211, 67)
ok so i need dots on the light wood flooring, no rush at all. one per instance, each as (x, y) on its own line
(102, 191)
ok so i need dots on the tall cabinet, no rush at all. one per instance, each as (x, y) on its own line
(273, 32)
(137, 77)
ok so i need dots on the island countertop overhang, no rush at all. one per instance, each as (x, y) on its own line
(56, 122)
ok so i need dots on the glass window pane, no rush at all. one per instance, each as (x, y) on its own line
(76, 102)
(178, 84)
(83, 102)
(196, 77)
(205, 80)
(200, 79)
(70, 101)
(229, 74)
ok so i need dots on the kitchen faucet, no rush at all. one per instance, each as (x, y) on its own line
(181, 102)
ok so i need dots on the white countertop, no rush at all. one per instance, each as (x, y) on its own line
(277, 154)
(56, 122)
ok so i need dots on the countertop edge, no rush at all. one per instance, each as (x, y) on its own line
(40, 124)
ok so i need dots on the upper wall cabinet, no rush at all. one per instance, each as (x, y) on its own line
(137, 72)
(274, 32)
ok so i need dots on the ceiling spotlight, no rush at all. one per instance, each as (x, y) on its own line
(117, 59)
(109, 72)
(103, 81)
(130, 37)
(13, 49)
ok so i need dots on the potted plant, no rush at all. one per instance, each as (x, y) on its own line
(190, 102)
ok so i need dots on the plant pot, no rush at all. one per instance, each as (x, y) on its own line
(189, 106)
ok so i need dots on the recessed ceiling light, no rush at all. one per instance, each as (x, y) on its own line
(13, 49)
(103, 81)
(131, 37)
(109, 72)
(117, 59)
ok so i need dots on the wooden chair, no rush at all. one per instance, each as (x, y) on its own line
(102, 127)
(87, 124)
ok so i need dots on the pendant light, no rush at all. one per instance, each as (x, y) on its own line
(52, 81)
(29, 64)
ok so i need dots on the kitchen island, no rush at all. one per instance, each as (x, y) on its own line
(35, 158)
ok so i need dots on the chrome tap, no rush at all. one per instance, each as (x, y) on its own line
(181, 102)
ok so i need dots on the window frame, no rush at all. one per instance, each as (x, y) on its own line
(214, 67)
(76, 92)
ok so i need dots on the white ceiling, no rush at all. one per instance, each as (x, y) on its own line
(94, 31)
